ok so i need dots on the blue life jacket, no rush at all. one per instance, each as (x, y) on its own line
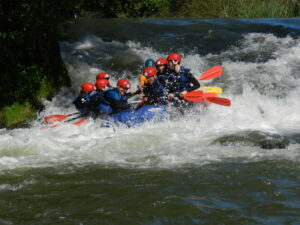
(100, 102)
(116, 95)
(162, 77)
(178, 82)
(104, 108)
(156, 93)
(82, 103)
(118, 102)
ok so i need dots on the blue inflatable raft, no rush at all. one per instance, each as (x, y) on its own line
(153, 113)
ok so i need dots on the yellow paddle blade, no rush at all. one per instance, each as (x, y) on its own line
(216, 90)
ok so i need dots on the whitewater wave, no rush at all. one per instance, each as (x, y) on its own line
(261, 77)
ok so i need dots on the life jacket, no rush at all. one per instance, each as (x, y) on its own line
(143, 80)
(118, 102)
(156, 93)
(104, 109)
(114, 94)
(162, 78)
(82, 103)
(178, 82)
(100, 103)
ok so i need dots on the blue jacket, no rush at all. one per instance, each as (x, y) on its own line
(117, 101)
(99, 101)
(82, 103)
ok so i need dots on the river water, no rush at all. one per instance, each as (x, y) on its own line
(227, 165)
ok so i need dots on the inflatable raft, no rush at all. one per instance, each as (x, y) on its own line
(155, 113)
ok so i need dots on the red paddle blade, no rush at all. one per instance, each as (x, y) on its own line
(218, 100)
(211, 73)
(193, 96)
(141, 104)
(206, 95)
(78, 123)
(54, 118)
(197, 93)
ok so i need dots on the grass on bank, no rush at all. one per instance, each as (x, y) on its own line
(238, 8)
(270, 8)
(202, 8)
(17, 114)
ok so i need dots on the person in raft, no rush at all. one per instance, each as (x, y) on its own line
(118, 96)
(162, 70)
(103, 75)
(154, 91)
(179, 81)
(142, 79)
(97, 98)
(81, 102)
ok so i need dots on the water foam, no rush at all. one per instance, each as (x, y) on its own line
(264, 96)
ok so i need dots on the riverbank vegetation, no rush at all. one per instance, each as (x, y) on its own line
(30, 61)
(191, 8)
(31, 65)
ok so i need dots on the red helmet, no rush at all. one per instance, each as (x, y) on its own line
(101, 83)
(149, 72)
(174, 57)
(87, 87)
(161, 61)
(123, 83)
(102, 75)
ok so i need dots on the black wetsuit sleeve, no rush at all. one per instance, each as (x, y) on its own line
(146, 91)
(120, 105)
(162, 80)
(194, 81)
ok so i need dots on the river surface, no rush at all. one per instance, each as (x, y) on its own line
(227, 165)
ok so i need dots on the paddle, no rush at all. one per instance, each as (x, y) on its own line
(58, 117)
(211, 73)
(216, 90)
(198, 96)
(141, 104)
(193, 96)
(77, 123)
(218, 100)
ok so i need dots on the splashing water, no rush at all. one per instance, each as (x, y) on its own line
(261, 77)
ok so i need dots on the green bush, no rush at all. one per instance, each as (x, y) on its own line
(143, 8)
(16, 114)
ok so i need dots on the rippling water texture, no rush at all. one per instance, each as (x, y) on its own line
(227, 165)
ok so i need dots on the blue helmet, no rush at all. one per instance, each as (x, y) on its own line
(149, 63)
